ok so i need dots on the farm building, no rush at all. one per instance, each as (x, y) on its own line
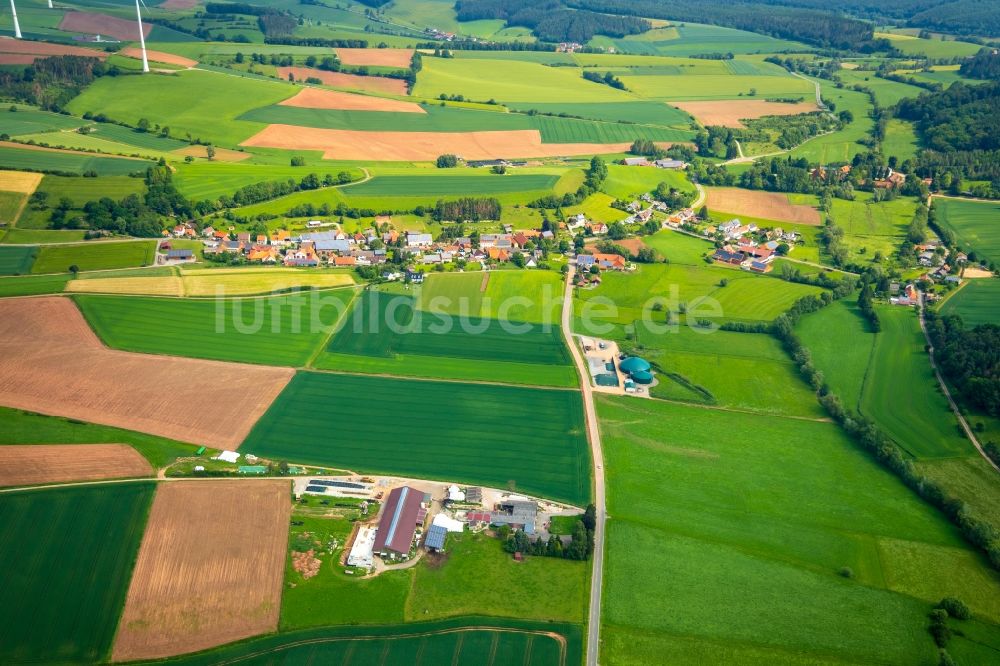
(435, 538)
(516, 513)
(180, 255)
(401, 516)
(362, 548)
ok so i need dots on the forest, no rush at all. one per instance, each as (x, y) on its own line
(51, 82)
(820, 28)
(550, 20)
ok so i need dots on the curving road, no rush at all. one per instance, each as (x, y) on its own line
(594, 436)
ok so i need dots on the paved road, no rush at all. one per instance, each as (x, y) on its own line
(594, 435)
(947, 394)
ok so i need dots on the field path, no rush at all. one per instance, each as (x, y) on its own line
(594, 436)
(947, 393)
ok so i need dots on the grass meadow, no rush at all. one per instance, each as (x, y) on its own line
(902, 395)
(975, 225)
(79, 191)
(278, 330)
(977, 302)
(33, 285)
(841, 146)
(931, 48)
(844, 367)
(67, 558)
(750, 518)
(27, 120)
(622, 297)
(500, 436)
(93, 256)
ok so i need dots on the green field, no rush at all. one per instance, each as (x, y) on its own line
(679, 248)
(886, 92)
(868, 227)
(931, 48)
(93, 256)
(624, 297)
(643, 113)
(901, 140)
(30, 121)
(493, 435)
(26, 428)
(717, 86)
(67, 556)
(977, 302)
(10, 206)
(840, 146)
(450, 185)
(16, 260)
(749, 518)
(451, 119)
(168, 99)
(976, 225)
(27, 159)
(901, 393)
(692, 39)
(79, 191)
(32, 285)
(627, 182)
(459, 641)
(844, 367)
(386, 333)
(280, 330)
(137, 138)
(206, 180)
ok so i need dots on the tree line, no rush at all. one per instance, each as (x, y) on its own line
(968, 358)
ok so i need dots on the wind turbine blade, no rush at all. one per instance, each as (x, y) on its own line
(17, 26)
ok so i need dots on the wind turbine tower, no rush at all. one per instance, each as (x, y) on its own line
(142, 37)
(17, 26)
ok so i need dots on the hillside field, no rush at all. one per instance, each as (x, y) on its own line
(753, 552)
(976, 225)
(498, 436)
(93, 256)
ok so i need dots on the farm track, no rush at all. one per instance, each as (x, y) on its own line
(947, 393)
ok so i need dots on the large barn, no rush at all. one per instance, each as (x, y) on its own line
(400, 518)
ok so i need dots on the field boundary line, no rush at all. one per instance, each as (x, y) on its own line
(348, 308)
(484, 382)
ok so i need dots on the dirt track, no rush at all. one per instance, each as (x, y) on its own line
(30, 464)
(90, 23)
(315, 98)
(376, 84)
(52, 363)
(421, 146)
(756, 203)
(378, 57)
(729, 113)
(210, 568)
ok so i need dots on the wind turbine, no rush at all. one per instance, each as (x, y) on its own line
(142, 37)
(17, 27)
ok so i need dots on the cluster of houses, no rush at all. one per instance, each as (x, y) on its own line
(747, 246)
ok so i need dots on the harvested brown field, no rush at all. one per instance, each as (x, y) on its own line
(976, 273)
(24, 182)
(221, 154)
(158, 56)
(316, 98)
(26, 46)
(755, 203)
(51, 362)
(421, 146)
(30, 464)
(90, 23)
(729, 113)
(375, 84)
(210, 568)
(377, 57)
(18, 58)
(633, 245)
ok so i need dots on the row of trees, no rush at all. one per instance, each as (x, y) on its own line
(595, 175)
